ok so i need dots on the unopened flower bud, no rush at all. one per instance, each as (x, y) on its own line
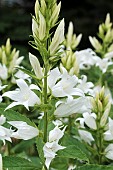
(4, 58)
(43, 7)
(106, 100)
(95, 43)
(94, 105)
(102, 93)
(104, 117)
(55, 14)
(42, 26)
(107, 21)
(78, 39)
(107, 36)
(36, 66)
(101, 31)
(69, 34)
(8, 46)
(100, 107)
(36, 8)
(110, 48)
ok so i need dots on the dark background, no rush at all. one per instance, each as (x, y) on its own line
(15, 19)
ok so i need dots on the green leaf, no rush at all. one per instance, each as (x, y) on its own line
(60, 163)
(40, 144)
(12, 115)
(16, 163)
(73, 152)
(95, 167)
(23, 146)
(69, 140)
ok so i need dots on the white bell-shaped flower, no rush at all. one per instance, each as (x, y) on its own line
(86, 136)
(24, 131)
(24, 95)
(109, 151)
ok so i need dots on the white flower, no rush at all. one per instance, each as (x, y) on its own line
(5, 134)
(53, 76)
(24, 131)
(57, 123)
(84, 85)
(51, 147)
(2, 119)
(41, 115)
(109, 152)
(103, 64)
(71, 106)
(86, 58)
(1, 88)
(63, 85)
(56, 134)
(57, 39)
(108, 135)
(1, 164)
(21, 75)
(89, 120)
(15, 61)
(24, 95)
(3, 72)
(109, 55)
(71, 167)
(86, 136)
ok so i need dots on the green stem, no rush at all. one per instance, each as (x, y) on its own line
(69, 125)
(99, 142)
(45, 102)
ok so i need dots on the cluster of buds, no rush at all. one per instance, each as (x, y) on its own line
(95, 126)
(69, 59)
(9, 59)
(70, 63)
(105, 33)
(101, 107)
(72, 40)
(46, 16)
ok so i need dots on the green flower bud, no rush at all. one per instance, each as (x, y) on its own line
(95, 43)
(102, 94)
(105, 115)
(37, 6)
(108, 36)
(55, 14)
(8, 46)
(100, 107)
(4, 58)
